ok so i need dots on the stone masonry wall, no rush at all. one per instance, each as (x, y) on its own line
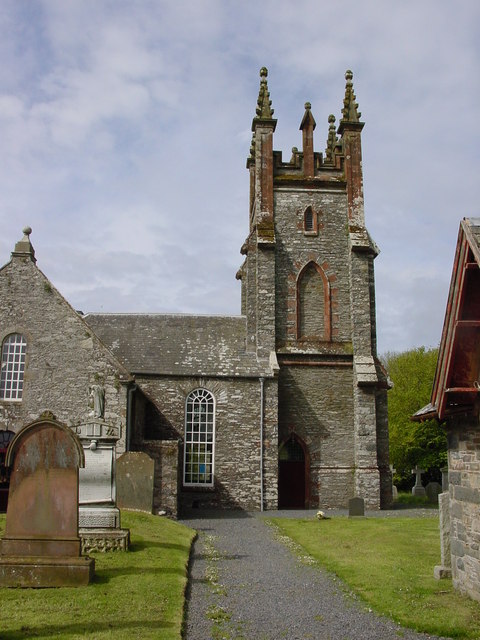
(295, 249)
(237, 437)
(464, 489)
(166, 454)
(63, 357)
(317, 403)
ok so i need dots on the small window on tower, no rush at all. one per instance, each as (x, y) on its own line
(310, 226)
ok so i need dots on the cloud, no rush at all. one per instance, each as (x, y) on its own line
(125, 128)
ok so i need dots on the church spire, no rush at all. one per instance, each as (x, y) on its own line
(350, 112)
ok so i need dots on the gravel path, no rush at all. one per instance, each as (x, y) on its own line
(247, 585)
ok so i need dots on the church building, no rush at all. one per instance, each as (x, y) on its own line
(283, 406)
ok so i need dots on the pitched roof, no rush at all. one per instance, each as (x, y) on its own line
(174, 344)
(456, 384)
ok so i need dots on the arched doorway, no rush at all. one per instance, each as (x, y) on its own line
(293, 467)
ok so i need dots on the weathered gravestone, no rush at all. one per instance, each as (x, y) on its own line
(135, 476)
(394, 488)
(444, 471)
(356, 507)
(99, 515)
(418, 489)
(433, 489)
(41, 545)
(444, 570)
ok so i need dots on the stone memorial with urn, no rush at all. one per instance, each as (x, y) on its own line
(99, 517)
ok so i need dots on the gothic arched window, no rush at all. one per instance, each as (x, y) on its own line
(14, 349)
(313, 304)
(199, 438)
(310, 222)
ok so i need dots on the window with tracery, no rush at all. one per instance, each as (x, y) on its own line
(14, 349)
(199, 438)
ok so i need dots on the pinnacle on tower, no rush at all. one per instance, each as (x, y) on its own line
(332, 139)
(350, 112)
(264, 109)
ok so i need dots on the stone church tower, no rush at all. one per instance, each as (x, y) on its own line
(308, 296)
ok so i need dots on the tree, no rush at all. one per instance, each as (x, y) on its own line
(412, 443)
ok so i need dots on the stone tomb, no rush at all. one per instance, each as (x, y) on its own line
(98, 514)
(41, 545)
(135, 481)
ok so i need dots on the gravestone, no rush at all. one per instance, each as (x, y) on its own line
(99, 517)
(418, 489)
(433, 489)
(41, 545)
(135, 476)
(356, 507)
(394, 488)
(444, 570)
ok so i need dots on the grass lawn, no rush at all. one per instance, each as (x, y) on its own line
(138, 594)
(389, 563)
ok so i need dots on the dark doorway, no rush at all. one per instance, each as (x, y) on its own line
(5, 438)
(291, 474)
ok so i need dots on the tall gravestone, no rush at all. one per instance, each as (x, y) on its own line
(135, 481)
(41, 545)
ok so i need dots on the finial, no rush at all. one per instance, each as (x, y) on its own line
(24, 247)
(350, 112)
(308, 105)
(331, 139)
(264, 103)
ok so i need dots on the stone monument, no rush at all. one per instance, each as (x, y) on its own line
(41, 545)
(418, 489)
(99, 517)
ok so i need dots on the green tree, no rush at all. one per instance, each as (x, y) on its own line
(412, 443)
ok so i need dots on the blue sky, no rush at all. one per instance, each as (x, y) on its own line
(125, 128)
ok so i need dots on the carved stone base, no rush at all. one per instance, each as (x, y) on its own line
(104, 540)
(96, 517)
(45, 572)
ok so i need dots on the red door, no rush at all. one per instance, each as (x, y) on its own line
(291, 475)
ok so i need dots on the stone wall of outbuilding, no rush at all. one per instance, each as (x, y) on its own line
(464, 490)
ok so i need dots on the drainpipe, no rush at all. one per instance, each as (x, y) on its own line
(130, 393)
(262, 407)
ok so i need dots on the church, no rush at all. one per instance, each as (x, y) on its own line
(284, 406)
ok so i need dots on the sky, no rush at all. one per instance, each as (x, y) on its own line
(125, 128)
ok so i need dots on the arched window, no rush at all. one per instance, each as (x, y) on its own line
(308, 219)
(199, 438)
(313, 304)
(14, 348)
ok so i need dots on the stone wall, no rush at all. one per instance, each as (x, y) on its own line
(166, 481)
(316, 402)
(63, 357)
(464, 489)
(237, 438)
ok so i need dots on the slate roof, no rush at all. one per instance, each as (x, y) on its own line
(175, 344)
(456, 385)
